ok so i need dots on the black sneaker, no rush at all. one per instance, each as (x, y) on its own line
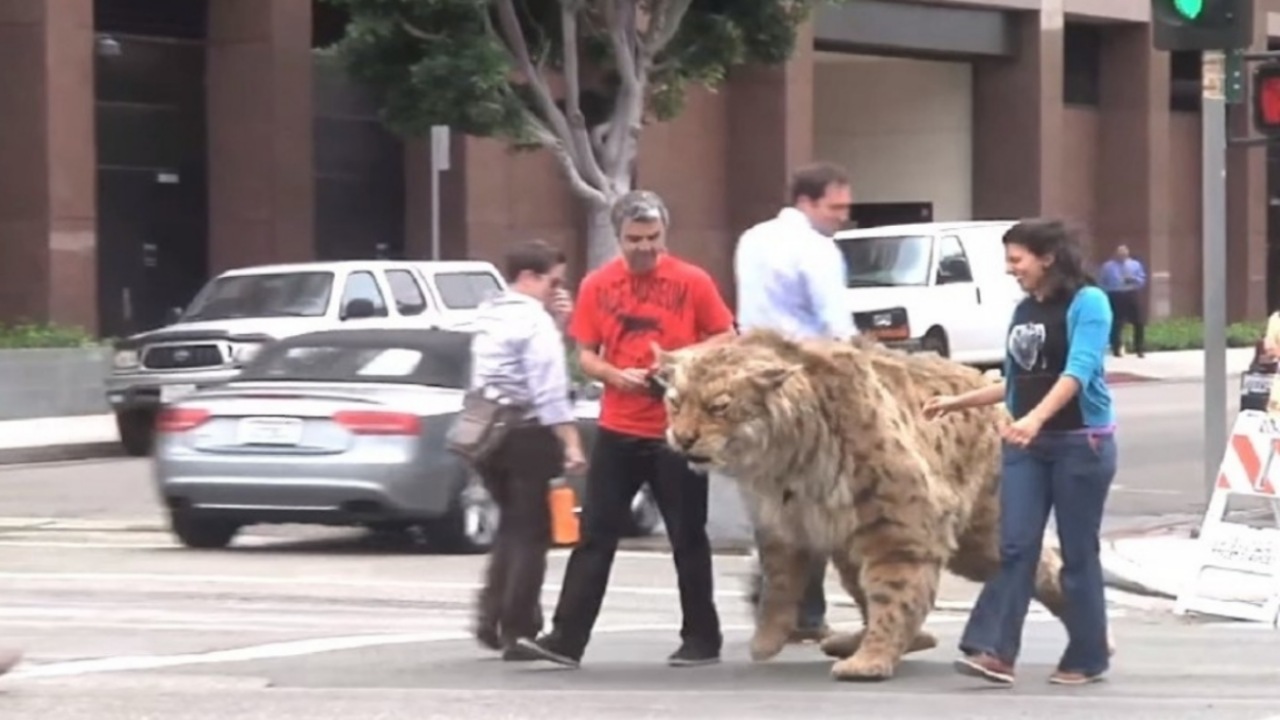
(544, 648)
(692, 655)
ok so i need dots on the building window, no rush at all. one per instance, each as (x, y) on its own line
(1081, 64)
(1184, 81)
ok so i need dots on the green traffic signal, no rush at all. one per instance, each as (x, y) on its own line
(1189, 9)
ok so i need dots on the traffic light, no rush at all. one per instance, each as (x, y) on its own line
(1202, 24)
(1266, 98)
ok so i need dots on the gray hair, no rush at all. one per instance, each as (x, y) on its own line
(641, 205)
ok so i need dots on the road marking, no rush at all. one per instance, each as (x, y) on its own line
(298, 581)
(316, 646)
(1146, 491)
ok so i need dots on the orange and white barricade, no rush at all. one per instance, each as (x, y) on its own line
(1236, 567)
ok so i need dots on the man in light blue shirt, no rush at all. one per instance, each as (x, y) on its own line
(1123, 279)
(791, 278)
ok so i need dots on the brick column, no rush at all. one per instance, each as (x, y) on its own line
(1017, 165)
(48, 240)
(1132, 178)
(261, 175)
(770, 134)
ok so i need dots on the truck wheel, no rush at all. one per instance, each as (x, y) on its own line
(203, 533)
(137, 431)
(936, 341)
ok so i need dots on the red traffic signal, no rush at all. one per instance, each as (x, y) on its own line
(1266, 98)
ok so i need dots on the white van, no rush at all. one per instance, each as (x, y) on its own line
(933, 286)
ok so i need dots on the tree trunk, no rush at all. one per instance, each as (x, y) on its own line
(602, 242)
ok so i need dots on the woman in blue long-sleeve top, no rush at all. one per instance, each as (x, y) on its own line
(1059, 454)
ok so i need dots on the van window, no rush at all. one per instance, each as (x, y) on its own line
(886, 261)
(953, 265)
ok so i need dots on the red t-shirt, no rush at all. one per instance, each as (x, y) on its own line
(675, 305)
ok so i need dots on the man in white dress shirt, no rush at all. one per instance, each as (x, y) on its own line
(791, 278)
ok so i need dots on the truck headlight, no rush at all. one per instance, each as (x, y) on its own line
(125, 359)
(241, 354)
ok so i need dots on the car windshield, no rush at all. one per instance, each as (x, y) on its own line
(886, 261)
(441, 367)
(262, 295)
(466, 290)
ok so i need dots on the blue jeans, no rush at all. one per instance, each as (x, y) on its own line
(1071, 474)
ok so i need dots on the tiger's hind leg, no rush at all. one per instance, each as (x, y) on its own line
(842, 645)
(900, 594)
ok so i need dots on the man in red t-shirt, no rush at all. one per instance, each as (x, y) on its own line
(645, 297)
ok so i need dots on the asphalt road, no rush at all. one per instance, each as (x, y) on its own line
(120, 624)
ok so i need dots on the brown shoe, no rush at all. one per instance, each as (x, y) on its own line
(986, 667)
(9, 658)
(1064, 677)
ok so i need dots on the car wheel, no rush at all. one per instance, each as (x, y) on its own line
(645, 516)
(471, 525)
(137, 431)
(936, 341)
(203, 533)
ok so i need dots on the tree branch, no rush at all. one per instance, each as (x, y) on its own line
(549, 141)
(633, 70)
(579, 136)
(585, 166)
(664, 24)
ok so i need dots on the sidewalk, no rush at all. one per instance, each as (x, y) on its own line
(1157, 562)
(56, 439)
(1172, 366)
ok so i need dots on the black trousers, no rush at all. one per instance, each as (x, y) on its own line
(619, 467)
(1125, 308)
(518, 477)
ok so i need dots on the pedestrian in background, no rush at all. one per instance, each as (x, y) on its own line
(791, 278)
(518, 351)
(1059, 454)
(646, 296)
(1123, 279)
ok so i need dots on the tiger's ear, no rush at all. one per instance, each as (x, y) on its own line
(773, 376)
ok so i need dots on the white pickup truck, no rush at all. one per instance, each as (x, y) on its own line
(238, 311)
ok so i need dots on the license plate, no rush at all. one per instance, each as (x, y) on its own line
(1257, 384)
(174, 393)
(269, 431)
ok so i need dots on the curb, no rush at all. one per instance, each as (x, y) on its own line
(61, 453)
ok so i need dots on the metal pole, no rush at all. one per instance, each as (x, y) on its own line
(1213, 140)
(439, 163)
(435, 214)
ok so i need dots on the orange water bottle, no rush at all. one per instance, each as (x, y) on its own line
(564, 515)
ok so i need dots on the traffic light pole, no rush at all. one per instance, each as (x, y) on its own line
(1213, 218)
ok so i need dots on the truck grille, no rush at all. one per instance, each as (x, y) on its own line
(181, 357)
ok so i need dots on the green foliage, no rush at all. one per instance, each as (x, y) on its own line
(1188, 334)
(442, 62)
(30, 336)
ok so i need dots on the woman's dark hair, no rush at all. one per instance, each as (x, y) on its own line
(1051, 239)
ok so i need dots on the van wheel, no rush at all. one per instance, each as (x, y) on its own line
(137, 431)
(936, 341)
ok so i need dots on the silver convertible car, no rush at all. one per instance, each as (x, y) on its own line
(340, 427)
